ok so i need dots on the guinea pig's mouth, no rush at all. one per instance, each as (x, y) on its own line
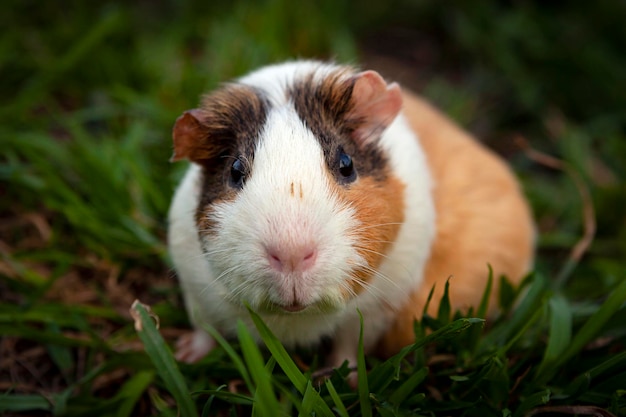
(277, 308)
(321, 306)
(293, 308)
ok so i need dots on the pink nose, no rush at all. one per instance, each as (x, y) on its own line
(292, 259)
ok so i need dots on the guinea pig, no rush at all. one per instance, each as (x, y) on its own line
(316, 191)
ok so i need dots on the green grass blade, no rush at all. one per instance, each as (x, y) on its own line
(446, 332)
(506, 295)
(313, 404)
(132, 390)
(17, 403)
(613, 364)
(483, 307)
(382, 376)
(590, 329)
(61, 355)
(279, 353)
(265, 401)
(237, 361)
(560, 331)
(529, 304)
(443, 313)
(311, 397)
(363, 387)
(512, 339)
(408, 387)
(307, 405)
(474, 334)
(581, 383)
(532, 401)
(428, 300)
(164, 362)
(419, 354)
(227, 396)
(339, 406)
(528, 307)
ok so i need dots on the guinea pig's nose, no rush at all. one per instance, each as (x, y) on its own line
(292, 258)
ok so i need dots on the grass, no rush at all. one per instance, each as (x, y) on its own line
(89, 95)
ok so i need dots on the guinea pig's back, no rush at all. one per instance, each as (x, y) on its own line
(482, 218)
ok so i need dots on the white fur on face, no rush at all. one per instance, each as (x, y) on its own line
(286, 201)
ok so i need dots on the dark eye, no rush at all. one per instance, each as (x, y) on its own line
(346, 167)
(237, 173)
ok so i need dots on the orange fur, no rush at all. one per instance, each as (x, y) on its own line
(482, 218)
(380, 209)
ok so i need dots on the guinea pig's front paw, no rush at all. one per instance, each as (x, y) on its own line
(193, 346)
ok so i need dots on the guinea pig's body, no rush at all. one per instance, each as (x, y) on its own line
(311, 195)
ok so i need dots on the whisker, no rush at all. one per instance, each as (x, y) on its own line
(385, 256)
(371, 226)
(344, 285)
(382, 276)
(213, 282)
(370, 289)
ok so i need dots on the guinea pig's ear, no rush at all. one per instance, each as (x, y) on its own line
(191, 138)
(375, 104)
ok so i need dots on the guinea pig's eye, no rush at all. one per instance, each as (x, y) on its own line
(346, 167)
(237, 173)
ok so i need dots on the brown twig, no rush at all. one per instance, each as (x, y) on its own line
(579, 410)
(588, 211)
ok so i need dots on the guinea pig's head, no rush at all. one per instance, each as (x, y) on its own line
(299, 203)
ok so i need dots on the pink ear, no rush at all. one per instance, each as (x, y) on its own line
(375, 104)
(189, 136)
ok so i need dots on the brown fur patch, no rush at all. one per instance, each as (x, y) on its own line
(326, 107)
(379, 206)
(233, 117)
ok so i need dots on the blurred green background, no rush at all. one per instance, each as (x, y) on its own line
(89, 92)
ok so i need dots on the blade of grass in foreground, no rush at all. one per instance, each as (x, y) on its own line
(265, 401)
(341, 408)
(312, 403)
(363, 388)
(163, 361)
(290, 369)
(297, 378)
(237, 361)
